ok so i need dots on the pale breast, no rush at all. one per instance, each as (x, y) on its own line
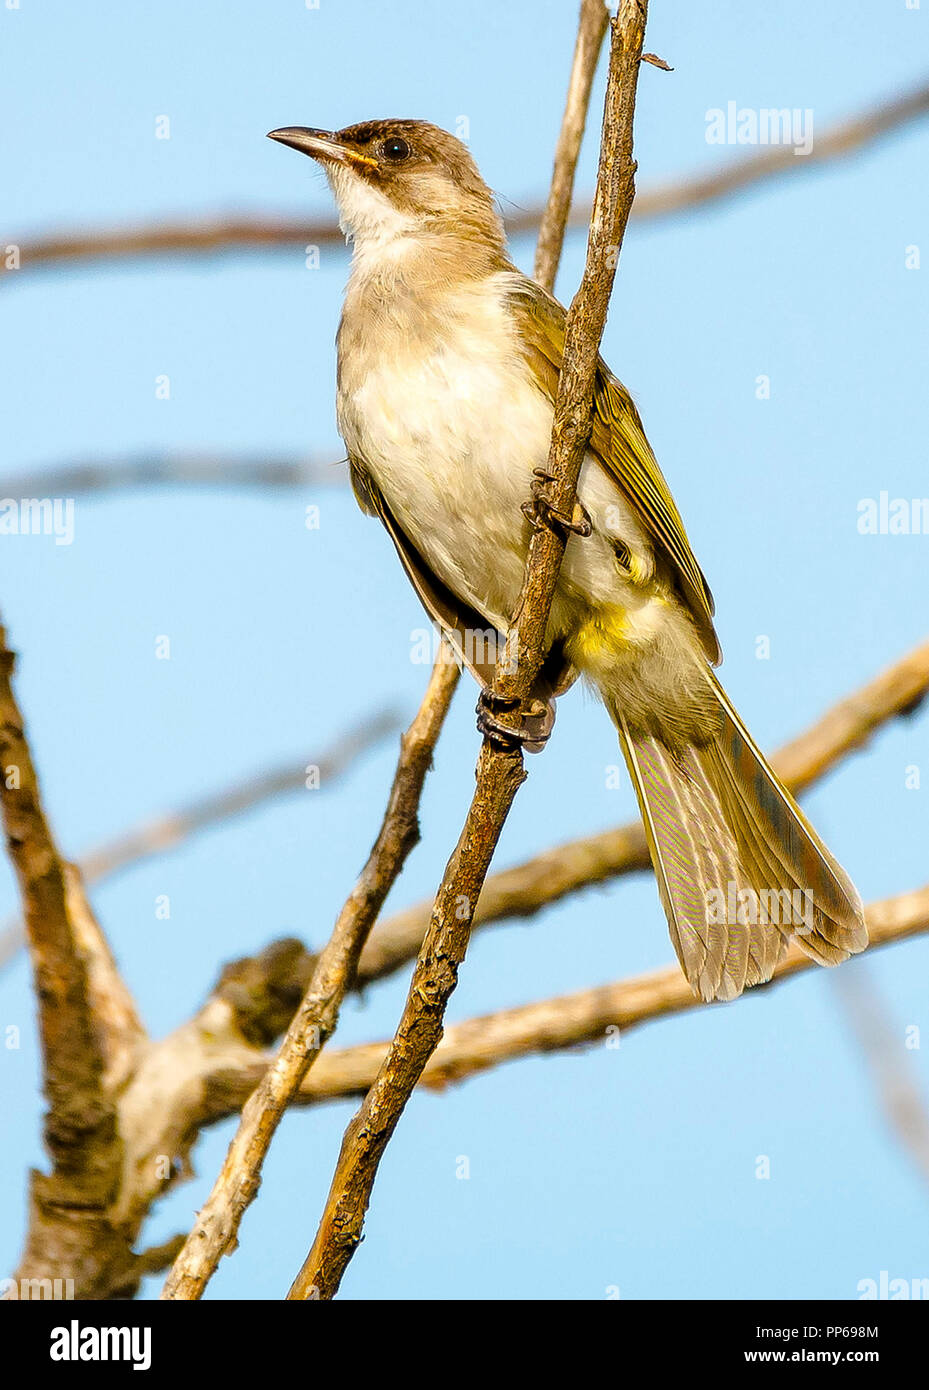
(442, 410)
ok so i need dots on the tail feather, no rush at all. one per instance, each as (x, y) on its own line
(676, 812)
(740, 869)
(839, 913)
(820, 937)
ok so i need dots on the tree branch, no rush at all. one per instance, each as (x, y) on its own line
(500, 771)
(87, 1024)
(218, 1221)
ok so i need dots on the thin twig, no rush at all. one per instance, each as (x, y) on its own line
(500, 771)
(592, 25)
(581, 864)
(218, 1221)
(277, 232)
(168, 831)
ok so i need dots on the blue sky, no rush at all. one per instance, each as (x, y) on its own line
(635, 1167)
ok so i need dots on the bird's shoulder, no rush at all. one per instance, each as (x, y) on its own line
(619, 443)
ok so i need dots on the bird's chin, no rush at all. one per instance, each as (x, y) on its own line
(365, 213)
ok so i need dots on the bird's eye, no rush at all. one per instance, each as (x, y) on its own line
(395, 149)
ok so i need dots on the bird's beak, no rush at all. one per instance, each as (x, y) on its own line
(320, 144)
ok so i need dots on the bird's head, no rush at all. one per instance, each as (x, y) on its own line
(400, 177)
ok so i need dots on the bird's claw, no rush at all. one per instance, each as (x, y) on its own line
(540, 512)
(508, 736)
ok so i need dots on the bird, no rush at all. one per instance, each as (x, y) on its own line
(448, 359)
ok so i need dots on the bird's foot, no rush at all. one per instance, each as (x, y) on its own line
(540, 511)
(509, 736)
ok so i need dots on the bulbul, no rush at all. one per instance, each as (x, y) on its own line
(448, 364)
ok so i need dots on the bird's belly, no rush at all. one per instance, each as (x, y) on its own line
(451, 443)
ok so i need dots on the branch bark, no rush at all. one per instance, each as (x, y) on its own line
(88, 1028)
(218, 1221)
(500, 771)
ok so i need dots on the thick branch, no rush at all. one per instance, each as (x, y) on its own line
(79, 1124)
(218, 1221)
(500, 771)
(88, 1027)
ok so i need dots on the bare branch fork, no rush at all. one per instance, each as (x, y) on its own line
(163, 1092)
(500, 770)
(123, 1112)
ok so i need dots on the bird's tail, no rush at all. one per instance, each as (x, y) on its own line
(740, 869)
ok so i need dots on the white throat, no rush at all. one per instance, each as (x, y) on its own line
(367, 218)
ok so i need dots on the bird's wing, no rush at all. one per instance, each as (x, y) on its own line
(461, 623)
(618, 442)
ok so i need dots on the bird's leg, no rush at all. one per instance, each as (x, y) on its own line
(540, 511)
(502, 735)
